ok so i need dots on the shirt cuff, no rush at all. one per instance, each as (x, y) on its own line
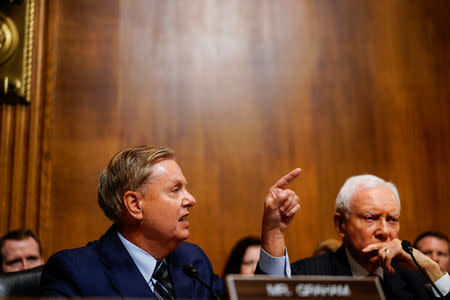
(443, 284)
(278, 266)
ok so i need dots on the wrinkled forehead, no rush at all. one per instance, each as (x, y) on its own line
(167, 169)
(433, 242)
(380, 199)
(16, 245)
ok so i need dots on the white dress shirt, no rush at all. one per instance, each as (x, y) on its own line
(358, 270)
(144, 261)
(147, 263)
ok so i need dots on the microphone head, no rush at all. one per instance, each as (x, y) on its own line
(407, 247)
(191, 271)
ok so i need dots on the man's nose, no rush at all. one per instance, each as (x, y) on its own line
(382, 232)
(189, 200)
(25, 265)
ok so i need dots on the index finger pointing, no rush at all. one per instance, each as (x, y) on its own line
(284, 181)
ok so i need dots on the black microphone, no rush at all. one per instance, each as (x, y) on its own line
(409, 249)
(193, 273)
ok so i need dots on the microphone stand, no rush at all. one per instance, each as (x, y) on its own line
(193, 273)
(408, 249)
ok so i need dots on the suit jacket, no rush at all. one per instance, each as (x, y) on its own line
(403, 284)
(104, 268)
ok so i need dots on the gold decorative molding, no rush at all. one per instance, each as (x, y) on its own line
(9, 38)
(25, 130)
(28, 50)
(16, 50)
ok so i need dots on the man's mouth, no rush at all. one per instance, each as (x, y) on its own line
(183, 218)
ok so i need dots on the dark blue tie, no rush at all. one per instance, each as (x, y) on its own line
(163, 285)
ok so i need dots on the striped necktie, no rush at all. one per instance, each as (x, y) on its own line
(163, 285)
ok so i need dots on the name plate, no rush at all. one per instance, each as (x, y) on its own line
(303, 287)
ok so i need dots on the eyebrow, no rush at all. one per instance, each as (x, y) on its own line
(372, 213)
(178, 181)
(13, 261)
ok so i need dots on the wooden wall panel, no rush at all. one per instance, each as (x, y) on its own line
(22, 139)
(244, 91)
(84, 134)
(6, 164)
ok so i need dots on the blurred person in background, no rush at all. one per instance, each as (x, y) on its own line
(435, 245)
(244, 257)
(328, 245)
(20, 250)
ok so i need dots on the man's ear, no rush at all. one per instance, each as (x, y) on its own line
(339, 223)
(133, 204)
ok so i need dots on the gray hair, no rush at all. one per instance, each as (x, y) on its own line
(359, 182)
(128, 170)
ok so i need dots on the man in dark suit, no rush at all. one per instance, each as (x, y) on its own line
(367, 216)
(143, 191)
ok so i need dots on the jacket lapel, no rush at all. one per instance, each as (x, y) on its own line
(395, 287)
(183, 285)
(340, 263)
(120, 268)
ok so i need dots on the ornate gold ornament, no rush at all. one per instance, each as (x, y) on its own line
(16, 51)
(9, 38)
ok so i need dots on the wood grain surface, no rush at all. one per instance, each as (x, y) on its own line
(245, 91)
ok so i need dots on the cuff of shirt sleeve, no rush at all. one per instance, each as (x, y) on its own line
(443, 284)
(272, 265)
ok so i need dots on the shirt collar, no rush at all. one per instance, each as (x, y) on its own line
(358, 270)
(144, 261)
